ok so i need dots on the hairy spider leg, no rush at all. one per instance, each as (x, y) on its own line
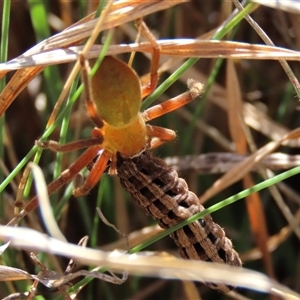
(160, 134)
(195, 89)
(98, 167)
(150, 87)
(68, 147)
(65, 177)
(90, 106)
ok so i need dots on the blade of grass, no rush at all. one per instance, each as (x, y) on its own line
(39, 20)
(3, 58)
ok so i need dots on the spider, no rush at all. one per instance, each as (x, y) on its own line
(113, 99)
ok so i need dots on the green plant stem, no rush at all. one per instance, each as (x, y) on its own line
(3, 58)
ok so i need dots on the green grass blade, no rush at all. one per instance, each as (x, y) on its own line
(3, 58)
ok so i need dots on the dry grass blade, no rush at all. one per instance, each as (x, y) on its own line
(11, 274)
(52, 279)
(183, 48)
(290, 6)
(273, 242)
(19, 81)
(241, 169)
(253, 202)
(235, 109)
(45, 207)
(221, 162)
(259, 121)
(57, 280)
(147, 266)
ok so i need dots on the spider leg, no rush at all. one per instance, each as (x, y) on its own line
(149, 88)
(195, 89)
(65, 177)
(96, 139)
(56, 147)
(85, 70)
(94, 176)
(159, 135)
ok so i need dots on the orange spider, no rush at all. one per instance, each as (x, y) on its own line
(113, 99)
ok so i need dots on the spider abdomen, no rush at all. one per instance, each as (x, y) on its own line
(165, 197)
